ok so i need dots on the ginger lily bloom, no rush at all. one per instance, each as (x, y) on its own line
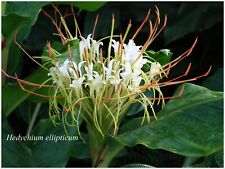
(100, 88)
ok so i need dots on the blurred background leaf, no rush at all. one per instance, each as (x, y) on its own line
(17, 19)
(13, 95)
(200, 18)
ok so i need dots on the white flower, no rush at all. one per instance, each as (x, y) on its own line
(72, 72)
(134, 89)
(85, 44)
(155, 69)
(66, 70)
(52, 73)
(89, 71)
(115, 80)
(80, 67)
(96, 83)
(140, 62)
(77, 84)
(108, 71)
(96, 46)
(115, 45)
(63, 70)
(126, 75)
(136, 79)
(131, 51)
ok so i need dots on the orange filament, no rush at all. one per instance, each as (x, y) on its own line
(27, 53)
(142, 24)
(33, 93)
(95, 24)
(70, 57)
(26, 82)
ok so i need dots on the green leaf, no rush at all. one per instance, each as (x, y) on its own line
(163, 57)
(80, 149)
(89, 6)
(11, 54)
(18, 18)
(39, 153)
(215, 82)
(57, 152)
(191, 125)
(132, 124)
(14, 154)
(194, 18)
(13, 95)
(74, 47)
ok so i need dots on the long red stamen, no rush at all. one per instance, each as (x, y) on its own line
(180, 81)
(101, 57)
(70, 57)
(95, 24)
(28, 54)
(142, 24)
(31, 92)
(75, 21)
(56, 9)
(165, 98)
(26, 82)
(63, 39)
(86, 57)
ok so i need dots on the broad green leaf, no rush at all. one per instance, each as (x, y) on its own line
(38, 99)
(18, 18)
(58, 152)
(89, 6)
(11, 54)
(193, 18)
(132, 124)
(39, 153)
(191, 125)
(81, 148)
(26, 9)
(14, 154)
(215, 82)
(13, 95)
(25, 111)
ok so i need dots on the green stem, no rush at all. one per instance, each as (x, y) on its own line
(107, 155)
(37, 108)
(102, 150)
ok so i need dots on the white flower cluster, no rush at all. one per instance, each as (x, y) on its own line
(124, 68)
